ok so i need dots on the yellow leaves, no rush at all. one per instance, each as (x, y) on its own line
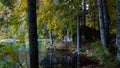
(22, 7)
(44, 15)
(57, 15)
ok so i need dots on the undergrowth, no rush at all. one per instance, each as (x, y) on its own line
(109, 60)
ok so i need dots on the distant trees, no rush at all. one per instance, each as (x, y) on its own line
(33, 34)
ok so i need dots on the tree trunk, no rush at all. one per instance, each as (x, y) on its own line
(94, 19)
(84, 12)
(118, 30)
(33, 34)
(106, 22)
(101, 24)
(78, 35)
(51, 38)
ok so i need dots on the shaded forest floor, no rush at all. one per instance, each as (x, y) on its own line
(89, 48)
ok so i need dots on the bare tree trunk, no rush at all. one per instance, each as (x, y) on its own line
(94, 20)
(51, 38)
(84, 12)
(33, 34)
(101, 24)
(78, 35)
(106, 22)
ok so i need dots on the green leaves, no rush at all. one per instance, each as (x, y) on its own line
(11, 3)
(56, 15)
(13, 19)
(6, 2)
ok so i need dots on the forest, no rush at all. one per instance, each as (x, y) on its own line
(59, 33)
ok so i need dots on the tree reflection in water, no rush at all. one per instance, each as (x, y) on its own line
(62, 59)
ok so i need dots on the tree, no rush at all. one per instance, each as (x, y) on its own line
(78, 35)
(33, 34)
(50, 35)
(106, 22)
(101, 24)
(84, 12)
(118, 30)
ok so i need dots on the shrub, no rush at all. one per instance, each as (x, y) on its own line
(98, 51)
(9, 55)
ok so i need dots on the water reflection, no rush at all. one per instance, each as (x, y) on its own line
(78, 61)
(60, 59)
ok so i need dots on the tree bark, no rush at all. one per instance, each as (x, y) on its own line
(78, 35)
(101, 24)
(118, 30)
(33, 34)
(106, 22)
(84, 12)
(51, 38)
